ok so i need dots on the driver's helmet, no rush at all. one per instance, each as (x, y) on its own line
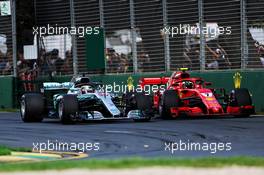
(187, 85)
(87, 89)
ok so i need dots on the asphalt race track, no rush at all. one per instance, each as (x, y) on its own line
(127, 138)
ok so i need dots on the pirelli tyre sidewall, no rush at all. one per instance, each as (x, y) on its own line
(67, 108)
(32, 107)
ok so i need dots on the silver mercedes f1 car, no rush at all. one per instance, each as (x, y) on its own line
(82, 100)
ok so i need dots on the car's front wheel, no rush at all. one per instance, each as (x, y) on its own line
(67, 109)
(32, 107)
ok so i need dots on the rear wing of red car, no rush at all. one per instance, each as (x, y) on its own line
(153, 81)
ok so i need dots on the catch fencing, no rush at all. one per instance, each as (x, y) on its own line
(141, 36)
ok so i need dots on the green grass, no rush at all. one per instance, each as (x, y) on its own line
(21, 149)
(4, 150)
(134, 163)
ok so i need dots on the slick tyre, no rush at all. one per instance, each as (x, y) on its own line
(241, 97)
(168, 100)
(67, 109)
(32, 107)
(144, 103)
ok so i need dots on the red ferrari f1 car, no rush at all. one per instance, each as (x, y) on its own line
(189, 96)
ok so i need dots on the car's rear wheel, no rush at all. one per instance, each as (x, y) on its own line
(32, 107)
(67, 109)
(168, 100)
(144, 104)
(241, 97)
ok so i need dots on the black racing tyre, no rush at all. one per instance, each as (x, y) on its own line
(240, 97)
(129, 102)
(168, 100)
(68, 106)
(243, 97)
(143, 103)
(32, 107)
(139, 101)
